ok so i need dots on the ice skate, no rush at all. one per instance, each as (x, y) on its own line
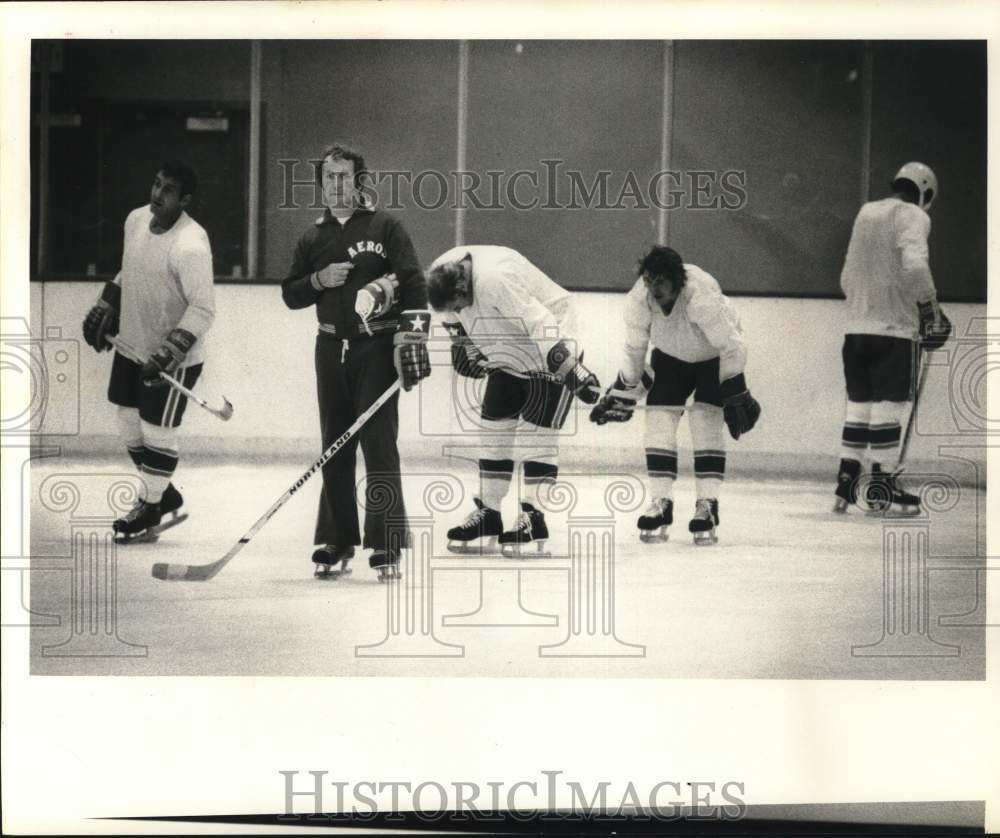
(654, 524)
(885, 496)
(478, 533)
(847, 485)
(705, 521)
(527, 539)
(386, 562)
(332, 561)
(140, 525)
(170, 504)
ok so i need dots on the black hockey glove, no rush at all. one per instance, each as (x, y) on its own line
(466, 359)
(102, 319)
(935, 327)
(410, 347)
(618, 403)
(573, 374)
(740, 410)
(167, 358)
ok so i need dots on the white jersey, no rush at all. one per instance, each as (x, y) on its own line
(886, 272)
(517, 313)
(702, 325)
(167, 283)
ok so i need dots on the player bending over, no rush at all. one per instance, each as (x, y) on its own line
(507, 322)
(698, 348)
(163, 302)
(893, 311)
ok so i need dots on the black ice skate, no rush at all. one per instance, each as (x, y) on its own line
(884, 495)
(478, 533)
(386, 562)
(328, 557)
(847, 485)
(170, 504)
(527, 539)
(654, 524)
(141, 524)
(704, 522)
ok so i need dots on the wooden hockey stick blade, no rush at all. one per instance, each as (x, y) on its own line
(225, 413)
(204, 572)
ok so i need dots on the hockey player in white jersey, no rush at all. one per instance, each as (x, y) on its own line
(892, 312)
(161, 304)
(697, 347)
(511, 324)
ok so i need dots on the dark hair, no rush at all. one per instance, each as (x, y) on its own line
(909, 191)
(442, 284)
(663, 264)
(341, 151)
(181, 172)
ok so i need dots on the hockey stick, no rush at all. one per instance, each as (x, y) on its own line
(225, 413)
(204, 572)
(921, 378)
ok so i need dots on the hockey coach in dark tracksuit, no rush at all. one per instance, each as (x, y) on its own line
(359, 269)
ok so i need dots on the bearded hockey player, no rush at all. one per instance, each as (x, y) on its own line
(163, 300)
(698, 348)
(510, 324)
(893, 312)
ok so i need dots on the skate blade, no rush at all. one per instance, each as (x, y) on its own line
(327, 572)
(150, 536)
(657, 536)
(175, 519)
(461, 548)
(389, 574)
(531, 550)
(705, 539)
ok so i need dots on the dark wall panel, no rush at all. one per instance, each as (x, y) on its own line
(789, 115)
(395, 100)
(594, 105)
(929, 104)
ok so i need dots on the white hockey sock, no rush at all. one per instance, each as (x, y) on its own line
(886, 432)
(130, 431)
(159, 459)
(856, 434)
(496, 462)
(660, 440)
(709, 441)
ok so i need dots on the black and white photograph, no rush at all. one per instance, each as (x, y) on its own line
(383, 385)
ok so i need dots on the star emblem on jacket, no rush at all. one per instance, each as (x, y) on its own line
(418, 323)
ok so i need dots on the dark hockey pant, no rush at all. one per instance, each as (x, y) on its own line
(349, 378)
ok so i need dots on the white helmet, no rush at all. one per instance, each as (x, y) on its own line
(921, 176)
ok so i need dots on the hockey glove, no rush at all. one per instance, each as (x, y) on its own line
(102, 319)
(376, 298)
(167, 358)
(410, 347)
(466, 359)
(573, 374)
(618, 403)
(740, 410)
(935, 327)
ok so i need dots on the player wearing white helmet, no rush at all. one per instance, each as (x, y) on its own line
(893, 313)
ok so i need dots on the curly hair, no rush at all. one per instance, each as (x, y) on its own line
(662, 264)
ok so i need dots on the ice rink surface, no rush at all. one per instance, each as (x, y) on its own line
(790, 591)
